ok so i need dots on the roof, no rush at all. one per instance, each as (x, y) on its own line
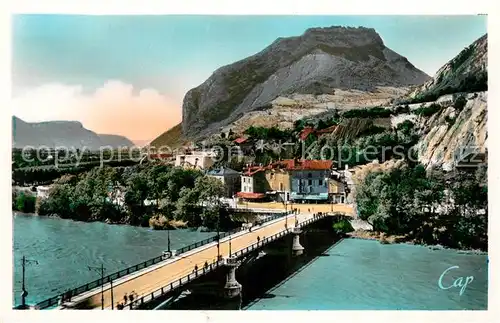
(222, 171)
(160, 155)
(240, 140)
(248, 195)
(327, 130)
(291, 164)
(305, 133)
(305, 164)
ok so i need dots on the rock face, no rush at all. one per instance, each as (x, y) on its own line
(450, 131)
(317, 62)
(61, 134)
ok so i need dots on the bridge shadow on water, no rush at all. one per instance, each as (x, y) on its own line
(259, 275)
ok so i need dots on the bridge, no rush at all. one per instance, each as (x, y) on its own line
(161, 275)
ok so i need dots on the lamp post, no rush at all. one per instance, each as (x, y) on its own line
(24, 293)
(168, 240)
(218, 237)
(101, 271)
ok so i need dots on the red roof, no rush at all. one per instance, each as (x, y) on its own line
(327, 130)
(292, 164)
(240, 140)
(305, 133)
(248, 195)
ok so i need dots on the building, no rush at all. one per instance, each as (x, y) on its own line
(290, 180)
(229, 177)
(245, 145)
(196, 159)
(42, 191)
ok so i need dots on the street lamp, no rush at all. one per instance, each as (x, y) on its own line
(218, 237)
(101, 270)
(168, 240)
(24, 293)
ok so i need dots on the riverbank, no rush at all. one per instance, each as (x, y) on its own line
(384, 238)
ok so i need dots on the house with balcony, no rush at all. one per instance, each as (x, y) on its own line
(294, 180)
(229, 177)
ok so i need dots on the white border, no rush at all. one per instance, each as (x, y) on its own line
(248, 7)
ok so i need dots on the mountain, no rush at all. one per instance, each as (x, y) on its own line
(317, 62)
(466, 72)
(61, 133)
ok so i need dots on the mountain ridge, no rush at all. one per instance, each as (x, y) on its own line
(63, 134)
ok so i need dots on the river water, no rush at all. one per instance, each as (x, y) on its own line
(352, 275)
(366, 275)
(64, 249)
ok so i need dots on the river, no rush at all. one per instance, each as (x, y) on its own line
(64, 249)
(352, 275)
(366, 275)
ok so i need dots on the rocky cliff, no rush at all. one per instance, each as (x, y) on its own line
(466, 72)
(451, 132)
(317, 62)
(61, 134)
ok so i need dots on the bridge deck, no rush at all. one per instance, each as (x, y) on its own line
(150, 279)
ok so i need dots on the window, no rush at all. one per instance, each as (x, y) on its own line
(309, 175)
(320, 182)
(309, 182)
(281, 186)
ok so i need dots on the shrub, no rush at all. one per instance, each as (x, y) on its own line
(343, 227)
(460, 103)
(428, 111)
(25, 202)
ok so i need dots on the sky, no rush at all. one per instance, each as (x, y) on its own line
(128, 75)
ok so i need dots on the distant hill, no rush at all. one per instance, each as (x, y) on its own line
(63, 134)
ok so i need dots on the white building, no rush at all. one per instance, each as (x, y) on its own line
(42, 191)
(195, 159)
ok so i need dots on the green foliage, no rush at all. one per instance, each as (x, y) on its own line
(95, 195)
(376, 112)
(46, 174)
(273, 133)
(449, 120)
(343, 227)
(460, 103)
(400, 109)
(25, 202)
(465, 54)
(406, 127)
(428, 111)
(477, 82)
(405, 201)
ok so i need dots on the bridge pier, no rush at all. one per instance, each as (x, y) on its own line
(297, 248)
(232, 287)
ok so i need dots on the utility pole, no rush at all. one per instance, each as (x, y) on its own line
(24, 293)
(101, 271)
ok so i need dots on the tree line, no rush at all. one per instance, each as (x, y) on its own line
(118, 195)
(428, 206)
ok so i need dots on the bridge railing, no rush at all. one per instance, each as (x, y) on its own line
(188, 278)
(53, 301)
(173, 285)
